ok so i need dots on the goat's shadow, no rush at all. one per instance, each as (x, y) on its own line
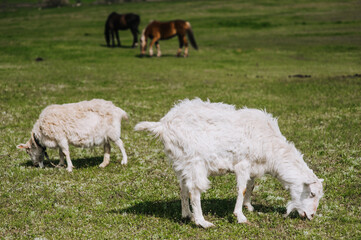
(77, 163)
(220, 208)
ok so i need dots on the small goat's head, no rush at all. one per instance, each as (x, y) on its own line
(305, 198)
(35, 151)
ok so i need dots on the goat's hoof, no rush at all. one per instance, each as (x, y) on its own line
(240, 217)
(69, 169)
(249, 207)
(124, 162)
(205, 224)
(103, 165)
(187, 217)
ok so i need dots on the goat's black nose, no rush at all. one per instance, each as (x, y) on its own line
(312, 215)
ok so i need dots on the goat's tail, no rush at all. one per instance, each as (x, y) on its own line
(155, 128)
(123, 114)
(191, 36)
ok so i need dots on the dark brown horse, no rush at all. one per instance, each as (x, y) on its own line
(117, 22)
(166, 30)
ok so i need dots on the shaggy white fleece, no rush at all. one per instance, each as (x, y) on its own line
(204, 138)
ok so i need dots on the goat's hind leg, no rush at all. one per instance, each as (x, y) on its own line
(242, 174)
(184, 194)
(120, 144)
(61, 156)
(107, 149)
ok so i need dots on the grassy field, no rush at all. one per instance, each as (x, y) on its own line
(249, 53)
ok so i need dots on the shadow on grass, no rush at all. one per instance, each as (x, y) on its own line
(78, 163)
(155, 56)
(122, 46)
(221, 208)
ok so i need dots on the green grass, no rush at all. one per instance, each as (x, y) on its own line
(248, 53)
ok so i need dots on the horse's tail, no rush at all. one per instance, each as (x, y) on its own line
(191, 36)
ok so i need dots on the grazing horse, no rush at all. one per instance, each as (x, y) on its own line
(117, 22)
(166, 30)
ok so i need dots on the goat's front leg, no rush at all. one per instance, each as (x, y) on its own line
(195, 196)
(65, 150)
(120, 144)
(247, 196)
(107, 149)
(184, 194)
(242, 174)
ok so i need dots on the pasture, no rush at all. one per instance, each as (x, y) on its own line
(299, 60)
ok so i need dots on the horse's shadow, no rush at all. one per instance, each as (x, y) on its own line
(220, 208)
(155, 56)
(116, 46)
(78, 163)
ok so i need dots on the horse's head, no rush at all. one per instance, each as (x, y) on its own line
(143, 43)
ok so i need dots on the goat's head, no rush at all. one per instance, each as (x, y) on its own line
(305, 198)
(35, 151)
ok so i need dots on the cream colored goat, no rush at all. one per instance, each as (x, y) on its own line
(83, 124)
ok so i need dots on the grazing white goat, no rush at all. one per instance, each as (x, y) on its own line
(203, 138)
(82, 124)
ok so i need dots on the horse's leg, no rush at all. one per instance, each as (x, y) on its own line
(185, 46)
(158, 49)
(179, 51)
(112, 32)
(155, 39)
(117, 35)
(135, 37)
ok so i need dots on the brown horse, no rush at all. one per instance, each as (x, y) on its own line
(117, 22)
(166, 30)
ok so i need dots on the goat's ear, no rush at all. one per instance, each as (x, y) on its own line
(308, 183)
(22, 146)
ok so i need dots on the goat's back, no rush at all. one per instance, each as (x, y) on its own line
(91, 121)
(212, 130)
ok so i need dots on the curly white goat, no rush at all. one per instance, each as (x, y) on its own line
(203, 138)
(82, 124)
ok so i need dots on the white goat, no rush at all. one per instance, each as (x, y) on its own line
(82, 124)
(203, 138)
